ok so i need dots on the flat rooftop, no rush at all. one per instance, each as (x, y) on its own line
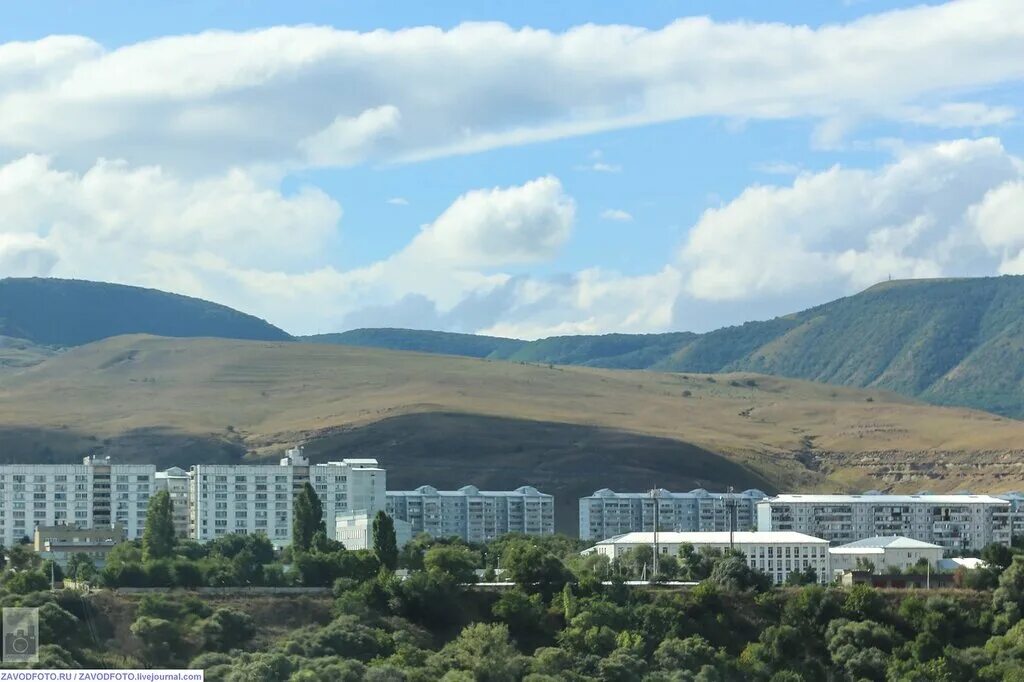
(715, 538)
(889, 499)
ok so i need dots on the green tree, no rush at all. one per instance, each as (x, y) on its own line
(485, 652)
(52, 570)
(158, 538)
(457, 561)
(525, 617)
(1008, 598)
(307, 518)
(162, 641)
(226, 629)
(23, 557)
(535, 569)
(385, 544)
(26, 582)
(734, 574)
(81, 567)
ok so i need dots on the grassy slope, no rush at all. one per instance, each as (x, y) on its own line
(233, 396)
(946, 341)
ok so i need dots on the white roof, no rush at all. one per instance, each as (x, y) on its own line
(970, 563)
(890, 499)
(715, 538)
(882, 543)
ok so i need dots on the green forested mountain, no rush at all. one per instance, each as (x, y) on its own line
(61, 312)
(951, 341)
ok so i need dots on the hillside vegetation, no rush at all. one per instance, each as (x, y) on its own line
(949, 342)
(444, 419)
(60, 312)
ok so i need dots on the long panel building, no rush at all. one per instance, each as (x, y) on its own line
(94, 494)
(472, 514)
(607, 513)
(258, 498)
(952, 521)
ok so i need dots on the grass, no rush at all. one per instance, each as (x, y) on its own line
(255, 397)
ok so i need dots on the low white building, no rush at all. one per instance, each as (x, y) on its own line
(777, 554)
(355, 530)
(885, 552)
(175, 482)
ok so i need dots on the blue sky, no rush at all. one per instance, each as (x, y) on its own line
(517, 179)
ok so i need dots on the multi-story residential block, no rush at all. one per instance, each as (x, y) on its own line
(1015, 513)
(472, 514)
(952, 521)
(607, 513)
(776, 554)
(175, 482)
(94, 494)
(258, 498)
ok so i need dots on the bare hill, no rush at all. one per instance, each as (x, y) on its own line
(445, 420)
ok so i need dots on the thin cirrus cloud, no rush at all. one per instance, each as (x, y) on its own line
(617, 215)
(166, 101)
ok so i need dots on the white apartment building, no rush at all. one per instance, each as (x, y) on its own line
(776, 554)
(175, 482)
(885, 552)
(94, 494)
(355, 530)
(607, 513)
(258, 498)
(952, 521)
(472, 514)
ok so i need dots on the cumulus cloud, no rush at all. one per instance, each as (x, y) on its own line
(499, 226)
(308, 94)
(934, 210)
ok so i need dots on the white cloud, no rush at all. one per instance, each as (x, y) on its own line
(843, 229)
(999, 221)
(499, 226)
(616, 215)
(349, 140)
(398, 201)
(298, 95)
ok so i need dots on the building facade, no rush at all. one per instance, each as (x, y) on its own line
(175, 482)
(884, 553)
(94, 494)
(776, 554)
(954, 522)
(355, 530)
(60, 543)
(607, 513)
(471, 514)
(259, 498)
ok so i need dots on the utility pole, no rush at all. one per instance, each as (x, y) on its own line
(654, 561)
(730, 505)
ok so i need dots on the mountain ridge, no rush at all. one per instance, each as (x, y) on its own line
(53, 312)
(948, 341)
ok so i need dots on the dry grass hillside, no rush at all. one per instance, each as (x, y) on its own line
(185, 400)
